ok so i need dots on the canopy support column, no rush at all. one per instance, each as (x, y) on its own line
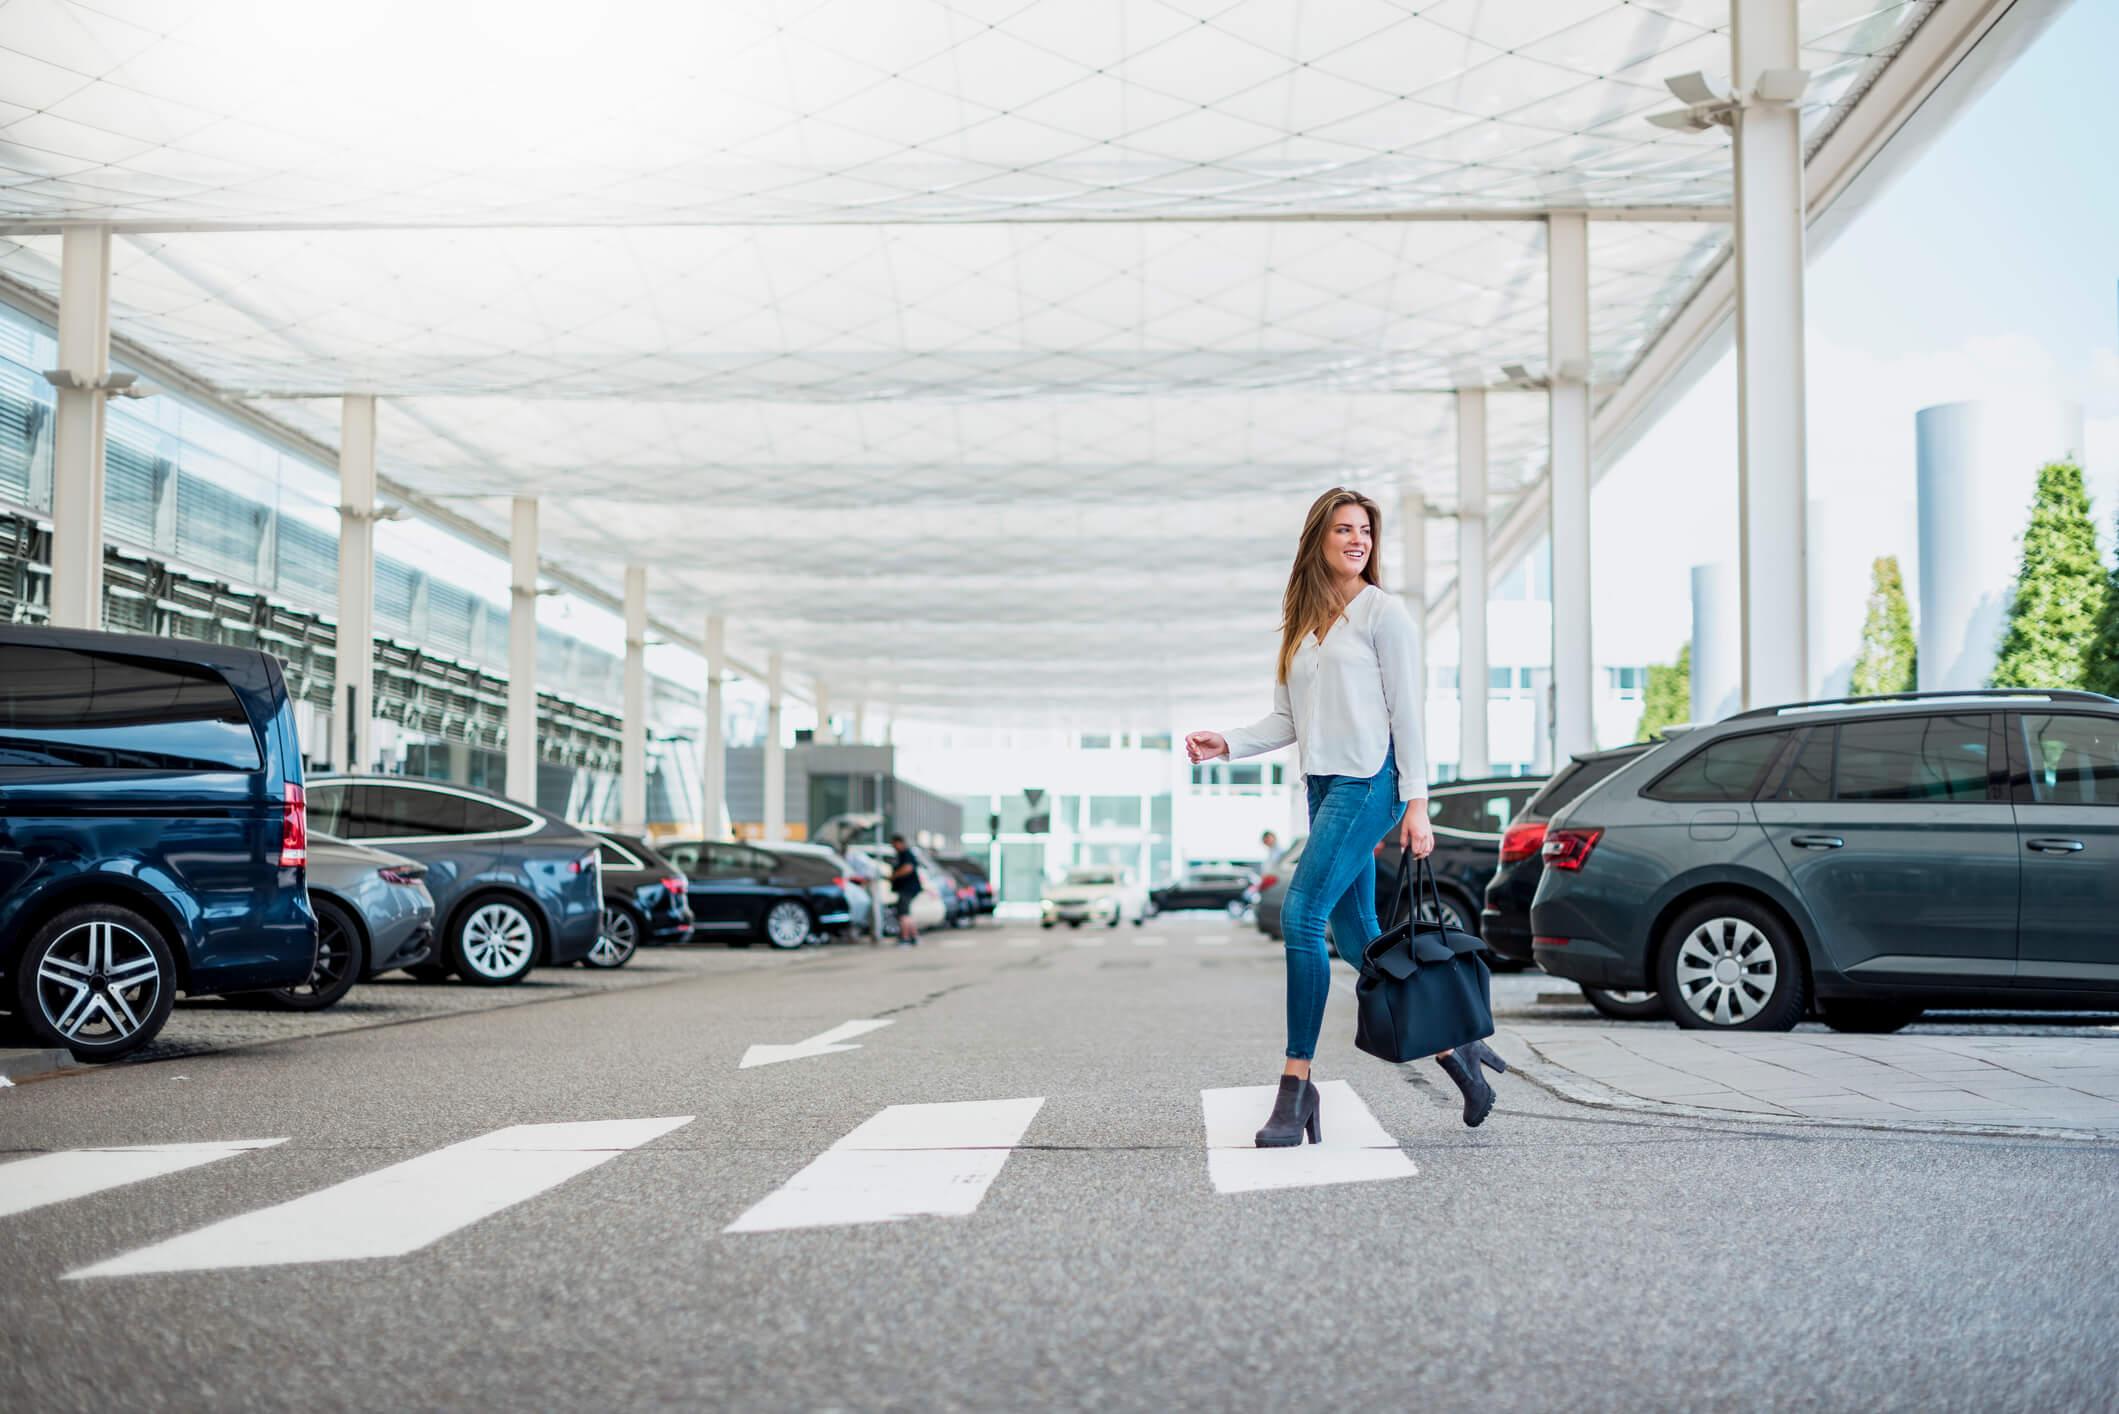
(1473, 753)
(522, 652)
(1567, 338)
(353, 698)
(1773, 544)
(713, 750)
(632, 731)
(77, 432)
(775, 752)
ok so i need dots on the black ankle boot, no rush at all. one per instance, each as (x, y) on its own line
(1486, 1056)
(1294, 1113)
(1462, 1066)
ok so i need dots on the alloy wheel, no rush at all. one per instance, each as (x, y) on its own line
(98, 983)
(787, 924)
(1726, 971)
(1628, 998)
(498, 940)
(334, 954)
(615, 945)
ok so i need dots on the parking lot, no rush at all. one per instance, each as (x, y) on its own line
(1014, 1191)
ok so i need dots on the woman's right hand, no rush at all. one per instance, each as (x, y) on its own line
(1205, 746)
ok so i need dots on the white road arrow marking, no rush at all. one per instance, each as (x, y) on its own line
(907, 1161)
(824, 1043)
(76, 1173)
(1355, 1149)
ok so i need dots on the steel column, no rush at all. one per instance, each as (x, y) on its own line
(522, 652)
(1474, 756)
(632, 731)
(1567, 340)
(353, 698)
(821, 692)
(1772, 499)
(713, 751)
(77, 432)
(775, 751)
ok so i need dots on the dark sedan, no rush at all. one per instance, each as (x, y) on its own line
(747, 892)
(1470, 819)
(1221, 890)
(971, 878)
(1504, 922)
(645, 900)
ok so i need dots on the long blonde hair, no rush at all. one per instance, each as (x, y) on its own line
(1312, 604)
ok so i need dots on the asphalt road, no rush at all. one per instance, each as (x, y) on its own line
(1558, 1258)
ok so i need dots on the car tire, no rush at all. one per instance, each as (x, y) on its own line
(1866, 1018)
(1729, 964)
(786, 925)
(1074, 923)
(1626, 1006)
(429, 971)
(619, 939)
(64, 976)
(1045, 925)
(341, 958)
(493, 941)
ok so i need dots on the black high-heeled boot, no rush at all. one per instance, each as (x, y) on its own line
(1486, 1056)
(1295, 1113)
(1462, 1066)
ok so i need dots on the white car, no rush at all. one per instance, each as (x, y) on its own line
(1088, 895)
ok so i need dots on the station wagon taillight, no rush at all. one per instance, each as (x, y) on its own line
(1522, 840)
(1569, 849)
(675, 884)
(294, 827)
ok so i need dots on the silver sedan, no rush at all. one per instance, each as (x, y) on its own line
(373, 913)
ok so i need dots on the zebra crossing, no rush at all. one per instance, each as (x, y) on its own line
(905, 1162)
(1101, 937)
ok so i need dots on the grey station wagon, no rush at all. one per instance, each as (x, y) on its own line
(1873, 857)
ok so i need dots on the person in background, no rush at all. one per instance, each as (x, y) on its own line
(1270, 843)
(905, 881)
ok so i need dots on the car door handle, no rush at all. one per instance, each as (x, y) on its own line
(1817, 842)
(2055, 846)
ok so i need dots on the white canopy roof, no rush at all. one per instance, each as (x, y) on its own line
(978, 353)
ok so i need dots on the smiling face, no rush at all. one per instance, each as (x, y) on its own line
(1349, 541)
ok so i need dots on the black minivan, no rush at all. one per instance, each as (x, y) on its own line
(153, 832)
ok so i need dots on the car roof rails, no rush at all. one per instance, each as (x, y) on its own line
(1968, 695)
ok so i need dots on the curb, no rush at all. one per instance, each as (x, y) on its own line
(18, 1066)
(1556, 1079)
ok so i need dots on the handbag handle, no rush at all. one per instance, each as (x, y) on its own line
(1405, 898)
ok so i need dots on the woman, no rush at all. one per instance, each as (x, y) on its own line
(1348, 695)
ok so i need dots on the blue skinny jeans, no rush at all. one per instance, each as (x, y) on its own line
(1335, 881)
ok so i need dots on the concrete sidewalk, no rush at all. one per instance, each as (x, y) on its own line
(1986, 1083)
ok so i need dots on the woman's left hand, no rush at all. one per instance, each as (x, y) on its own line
(1414, 833)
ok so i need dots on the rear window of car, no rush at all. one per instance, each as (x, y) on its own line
(61, 707)
(1575, 780)
(1729, 769)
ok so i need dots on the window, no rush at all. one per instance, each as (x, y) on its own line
(1096, 741)
(1248, 773)
(1913, 758)
(684, 856)
(615, 858)
(1726, 770)
(1114, 812)
(1810, 777)
(403, 810)
(327, 808)
(2073, 760)
(728, 861)
(1155, 741)
(59, 707)
(484, 817)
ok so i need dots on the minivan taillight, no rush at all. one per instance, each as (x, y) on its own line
(1522, 840)
(294, 827)
(1569, 849)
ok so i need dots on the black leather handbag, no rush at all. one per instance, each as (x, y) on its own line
(1424, 986)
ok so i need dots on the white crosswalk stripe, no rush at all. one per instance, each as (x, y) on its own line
(401, 1208)
(908, 1161)
(1355, 1149)
(1212, 940)
(1150, 940)
(76, 1173)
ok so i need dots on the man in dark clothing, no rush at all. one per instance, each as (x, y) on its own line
(905, 879)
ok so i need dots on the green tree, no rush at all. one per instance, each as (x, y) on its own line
(2100, 671)
(1667, 699)
(1887, 661)
(2061, 591)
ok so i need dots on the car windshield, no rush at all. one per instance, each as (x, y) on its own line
(1091, 876)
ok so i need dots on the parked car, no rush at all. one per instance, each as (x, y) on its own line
(645, 901)
(1876, 856)
(153, 832)
(747, 892)
(514, 887)
(929, 910)
(1220, 890)
(972, 883)
(1087, 895)
(1273, 890)
(1470, 819)
(373, 915)
(1504, 921)
(843, 868)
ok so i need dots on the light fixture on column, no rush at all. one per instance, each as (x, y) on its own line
(116, 385)
(1707, 106)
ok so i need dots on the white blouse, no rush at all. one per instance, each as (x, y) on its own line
(1349, 700)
